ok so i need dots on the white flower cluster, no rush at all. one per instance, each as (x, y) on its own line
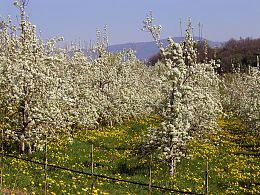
(44, 91)
(241, 96)
(31, 92)
(191, 104)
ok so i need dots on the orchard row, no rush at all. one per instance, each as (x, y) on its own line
(44, 90)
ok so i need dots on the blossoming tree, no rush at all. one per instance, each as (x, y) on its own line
(32, 96)
(191, 103)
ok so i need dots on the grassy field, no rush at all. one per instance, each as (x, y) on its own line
(232, 154)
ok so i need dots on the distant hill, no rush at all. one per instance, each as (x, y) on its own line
(144, 50)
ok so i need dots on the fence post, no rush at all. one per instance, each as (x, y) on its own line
(45, 166)
(92, 159)
(92, 167)
(2, 159)
(150, 175)
(207, 178)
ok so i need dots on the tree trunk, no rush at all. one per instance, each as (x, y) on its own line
(173, 167)
(29, 148)
(22, 147)
(25, 118)
(30, 142)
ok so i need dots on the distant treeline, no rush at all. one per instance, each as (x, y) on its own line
(241, 53)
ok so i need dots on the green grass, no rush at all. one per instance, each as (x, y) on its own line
(233, 156)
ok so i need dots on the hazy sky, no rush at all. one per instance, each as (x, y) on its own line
(79, 19)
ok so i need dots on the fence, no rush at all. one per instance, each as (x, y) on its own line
(149, 185)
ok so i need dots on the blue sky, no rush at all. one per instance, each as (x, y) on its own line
(79, 19)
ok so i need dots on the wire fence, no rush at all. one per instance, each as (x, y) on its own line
(149, 185)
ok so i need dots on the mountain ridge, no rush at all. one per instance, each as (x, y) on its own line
(145, 50)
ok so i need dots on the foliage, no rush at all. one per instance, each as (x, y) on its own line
(241, 52)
